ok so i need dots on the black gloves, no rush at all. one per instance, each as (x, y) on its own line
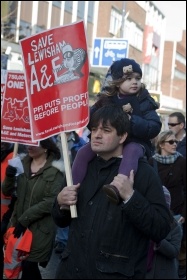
(11, 171)
(19, 229)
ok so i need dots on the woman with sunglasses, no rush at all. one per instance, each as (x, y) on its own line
(171, 166)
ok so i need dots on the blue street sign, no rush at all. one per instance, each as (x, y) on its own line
(107, 50)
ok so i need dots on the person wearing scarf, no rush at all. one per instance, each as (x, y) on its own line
(171, 166)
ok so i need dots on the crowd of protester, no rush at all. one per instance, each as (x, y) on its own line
(130, 192)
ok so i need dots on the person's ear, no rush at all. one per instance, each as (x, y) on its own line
(161, 146)
(182, 125)
(123, 137)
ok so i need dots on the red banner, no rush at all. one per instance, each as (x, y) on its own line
(15, 122)
(57, 71)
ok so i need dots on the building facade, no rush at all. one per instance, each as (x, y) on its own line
(173, 82)
(141, 23)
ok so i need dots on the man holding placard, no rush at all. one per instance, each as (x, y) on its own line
(109, 241)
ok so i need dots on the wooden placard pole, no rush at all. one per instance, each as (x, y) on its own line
(67, 166)
(15, 151)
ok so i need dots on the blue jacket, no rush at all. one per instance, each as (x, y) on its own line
(75, 142)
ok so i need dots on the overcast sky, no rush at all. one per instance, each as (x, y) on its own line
(175, 13)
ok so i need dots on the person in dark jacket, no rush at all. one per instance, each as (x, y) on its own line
(36, 190)
(176, 122)
(163, 256)
(172, 172)
(125, 89)
(108, 240)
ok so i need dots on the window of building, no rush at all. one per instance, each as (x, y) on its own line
(91, 6)
(115, 21)
(179, 75)
(57, 4)
(134, 34)
(25, 29)
(138, 38)
(4, 62)
(40, 28)
(9, 30)
(181, 58)
(68, 6)
(150, 77)
(80, 9)
(158, 25)
(154, 78)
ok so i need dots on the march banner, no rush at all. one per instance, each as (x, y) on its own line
(57, 70)
(15, 122)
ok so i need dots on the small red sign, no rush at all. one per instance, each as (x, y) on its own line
(148, 44)
(15, 122)
(57, 70)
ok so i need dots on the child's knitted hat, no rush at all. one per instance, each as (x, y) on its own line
(124, 66)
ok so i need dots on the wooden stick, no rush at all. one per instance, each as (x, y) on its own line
(15, 150)
(67, 166)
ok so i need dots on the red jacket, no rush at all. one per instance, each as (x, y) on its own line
(16, 250)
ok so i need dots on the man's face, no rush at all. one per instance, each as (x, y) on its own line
(174, 125)
(105, 142)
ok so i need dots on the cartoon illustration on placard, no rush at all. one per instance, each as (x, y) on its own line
(73, 61)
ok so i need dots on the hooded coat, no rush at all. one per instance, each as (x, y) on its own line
(165, 263)
(35, 197)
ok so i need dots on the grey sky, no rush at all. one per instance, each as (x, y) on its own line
(175, 13)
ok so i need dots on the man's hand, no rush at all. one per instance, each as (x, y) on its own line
(68, 196)
(124, 184)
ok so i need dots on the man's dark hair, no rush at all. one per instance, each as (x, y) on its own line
(180, 117)
(114, 115)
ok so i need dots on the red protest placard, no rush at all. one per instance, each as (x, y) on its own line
(15, 122)
(57, 70)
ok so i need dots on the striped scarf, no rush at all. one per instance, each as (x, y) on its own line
(166, 159)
